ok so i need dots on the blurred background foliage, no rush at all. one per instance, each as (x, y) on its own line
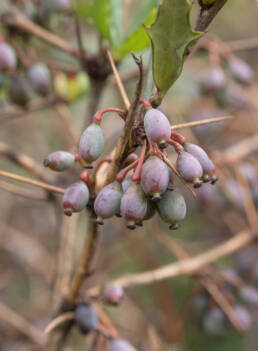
(34, 231)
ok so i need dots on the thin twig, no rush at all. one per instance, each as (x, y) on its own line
(64, 113)
(200, 123)
(32, 182)
(247, 198)
(207, 282)
(85, 261)
(207, 14)
(21, 191)
(118, 80)
(237, 151)
(19, 323)
(18, 20)
(191, 265)
(24, 161)
(62, 318)
(11, 114)
(125, 138)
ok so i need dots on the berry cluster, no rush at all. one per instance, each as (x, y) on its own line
(240, 296)
(213, 81)
(88, 320)
(37, 77)
(151, 186)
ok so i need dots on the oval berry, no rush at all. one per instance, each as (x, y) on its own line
(59, 161)
(212, 80)
(40, 78)
(18, 92)
(214, 321)
(8, 60)
(113, 293)
(189, 168)
(206, 163)
(75, 198)
(240, 71)
(172, 208)
(91, 143)
(157, 127)
(119, 345)
(86, 318)
(154, 177)
(107, 202)
(243, 316)
(133, 205)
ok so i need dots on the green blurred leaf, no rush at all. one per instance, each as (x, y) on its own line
(142, 16)
(170, 35)
(84, 8)
(137, 41)
(108, 20)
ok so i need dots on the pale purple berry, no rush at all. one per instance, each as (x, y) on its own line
(189, 168)
(86, 318)
(113, 293)
(157, 127)
(40, 78)
(133, 205)
(119, 345)
(59, 161)
(240, 71)
(8, 60)
(154, 177)
(206, 163)
(107, 202)
(75, 198)
(91, 143)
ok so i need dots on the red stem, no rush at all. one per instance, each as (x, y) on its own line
(122, 174)
(84, 176)
(79, 160)
(179, 138)
(176, 145)
(138, 171)
(98, 115)
(152, 148)
(146, 104)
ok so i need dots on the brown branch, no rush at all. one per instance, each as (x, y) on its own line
(237, 151)
(125, 138)
(16, 19)
(242, 44)
(62, 318)
(207, 14)
(24, 161)
(249, 205)
(32, 182)
(19, 323)
(85, 261)
(191, 265)
(13, 113)
(206, 280)
(20, 191)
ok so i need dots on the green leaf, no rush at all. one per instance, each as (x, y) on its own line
(170, 34)
(137, 41)
(142, 16)
(84, 8)
(108, 20)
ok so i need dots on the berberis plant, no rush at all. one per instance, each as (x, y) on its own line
(152, 168)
